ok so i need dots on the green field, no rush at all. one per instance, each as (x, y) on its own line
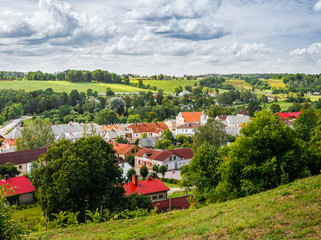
(283, 105)
(275, 83)
(290, 211)
(238, 84)
(167, 85)
(60, 86)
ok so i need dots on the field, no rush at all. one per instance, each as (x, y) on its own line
(290, 211)
(283, 105)
(238, 84)
(167, 85)
(60, 86)
(275, 83)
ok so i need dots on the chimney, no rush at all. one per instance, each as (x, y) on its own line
(6, 177)
(135, 179)
(150, 178)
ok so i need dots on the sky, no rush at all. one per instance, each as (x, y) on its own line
(173, 37)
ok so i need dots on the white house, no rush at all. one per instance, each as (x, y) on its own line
(187, 129)
(191, 117)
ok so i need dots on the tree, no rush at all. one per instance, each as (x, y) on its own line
(78, 176)
(304, 124)
(275, 108)
(106, 116)
(164, 144)
(8, 169)
(144, 135)
(167, 134)
(120, 139)
(130, 173)
(36, 135)
(162, 169)
(143, 171)
(212, 132)
(117, 104)
(155, 169)
(109, 92)
(253, 107)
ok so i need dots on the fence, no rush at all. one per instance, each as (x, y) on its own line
(172, 203)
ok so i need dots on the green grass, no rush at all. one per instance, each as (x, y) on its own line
(27, 216)
(315, 98)
(283, 105)
(238, 84)
(291, 211)
(60, 86)
(275, 83)
(171, 185)
(167, 85)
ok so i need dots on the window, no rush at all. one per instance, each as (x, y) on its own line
(20, 167)
(174, 157)
(150, 164)
(160, 196)
(138, 161)
(170, 158)
(154, 197)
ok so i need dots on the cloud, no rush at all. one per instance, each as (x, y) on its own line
(313, 51)
(317, 6)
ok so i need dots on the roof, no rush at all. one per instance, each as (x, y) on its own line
(145, 187)
(221, 118)
(21, 157)
(110, 127)
(122, 148)
(20, 185)
(148, 127)
(11, 142)
(162, 155)
(243, 111)
(234, 131)
(237, 119)
(189, 125)
(289, 114)
(192, 116)
(15, 133)
(149, 142)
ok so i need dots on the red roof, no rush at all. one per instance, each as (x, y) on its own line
(145, 187)
(20, 185)
(122, 148)
(21, 157)
(192, 116)
(148, 127)
(11, 142)
(289, 115)
(162, 155)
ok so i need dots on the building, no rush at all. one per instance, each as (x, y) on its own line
(124, 150)
(148, 142)
(191, 117)
(8, 145)
(124, 165)
(236, 121)
(150, 129)
(152, 188)
(173, 159)
(187, 129)
(289, 115)
(22, 188)
(22, 159)
(171, 124)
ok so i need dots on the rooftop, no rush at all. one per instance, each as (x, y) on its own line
(19, 185)
(145, 187)
(148, 127)
(21, 157)
(162, 155)
(192, 116)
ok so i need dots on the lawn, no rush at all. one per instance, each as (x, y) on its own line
(60, 86)
(238, 84)
(283, 105)
(167, 85)
(290, 211)
(315, 97)
(27, 217)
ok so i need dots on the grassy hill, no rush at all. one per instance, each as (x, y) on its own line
(238, 84)
(276, 83)
(289, 212)
(60, 86)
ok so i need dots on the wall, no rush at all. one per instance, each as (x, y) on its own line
(171, 204)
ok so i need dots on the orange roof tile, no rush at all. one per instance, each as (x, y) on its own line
(11, 142)
(122, 148)
(148, 127)
(110, 127)
(192, 116)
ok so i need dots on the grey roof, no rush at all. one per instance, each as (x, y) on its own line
(67, 128)
(15, 133)
(234, 131)
(237, 119)
(148, 142)
(111, 134)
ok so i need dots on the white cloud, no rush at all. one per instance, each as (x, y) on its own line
(314, 51)
(317, 6)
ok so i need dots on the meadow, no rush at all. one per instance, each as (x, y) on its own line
(291, 211)
(276, 83)
(238, 84)
(61, 86)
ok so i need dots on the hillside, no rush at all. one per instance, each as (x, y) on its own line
(288, 212)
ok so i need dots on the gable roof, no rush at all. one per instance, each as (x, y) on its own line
(289, 114)
(15, 133)
(11, 142)
(192, 116)
(145, 187)
(149, 142)
(162, 155)
(148, 127)
(122, 148)
(237, 119)
(21, 157)
(19, 185)
(189, 125)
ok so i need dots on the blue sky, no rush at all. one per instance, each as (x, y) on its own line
(173, 37)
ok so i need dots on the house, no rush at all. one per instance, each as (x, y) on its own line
(191, 117)
(243, 112)
(236, 121)
(22, 188)
(152, 188)
(173, 159)
(187, 129)
(111, 135)
(124, 150)
(124, 165)
(151, 129)
(8, 145)
(148, 142)
(212, 94)
(181, 94)
(289, 115)
(171, 124)
(22, 159)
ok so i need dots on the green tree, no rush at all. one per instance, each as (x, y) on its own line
(304, 124)
(106, 116)
(109, 92)
(155, 169)
(275, 108)
(212, 132)
(134, 118)
(78, 176)
(143, 171)
(167, 134)
(162, 169)
(120, 139)
(8, 169)
(164, 144)
(129, 174)
(144, 135)
(253, 107)
(35, 135)
(117, 104)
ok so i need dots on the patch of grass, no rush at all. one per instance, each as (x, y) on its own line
(171, 185)
(289, 212)
(60, 86)
(28, 216)
(315, 97)
(276, 83)
(179, 194)
(283, 105)
(238, 84)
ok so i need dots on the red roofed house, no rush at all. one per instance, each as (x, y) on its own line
(124, 150)
(151, 129)
(153, 188)
(290, 115)
(191, 117)
(8, 145)
(22, 189)
(173, 159)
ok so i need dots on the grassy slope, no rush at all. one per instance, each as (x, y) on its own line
(60, 86)
(167, 85)
(238, 84)
(288, 212)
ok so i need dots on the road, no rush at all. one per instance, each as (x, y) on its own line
(11, 124)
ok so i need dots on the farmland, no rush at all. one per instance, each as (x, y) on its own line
(238, 84)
